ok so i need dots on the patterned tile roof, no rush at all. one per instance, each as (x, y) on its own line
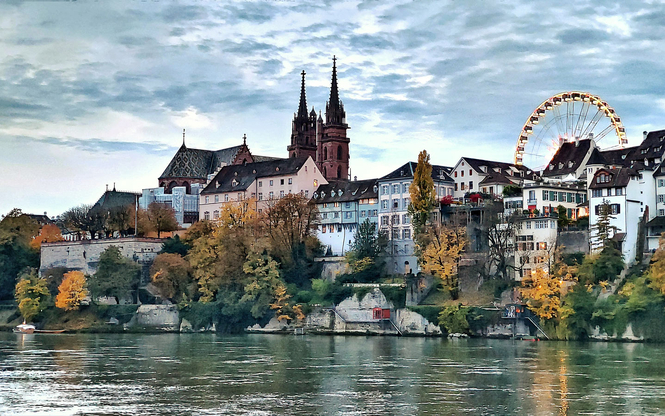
(198, 163)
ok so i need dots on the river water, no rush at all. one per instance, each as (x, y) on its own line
(255, 374)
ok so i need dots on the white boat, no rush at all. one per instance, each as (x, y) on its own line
(25, 329)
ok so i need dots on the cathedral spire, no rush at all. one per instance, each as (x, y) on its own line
(334, 109)
(302, 108)
(183, 138)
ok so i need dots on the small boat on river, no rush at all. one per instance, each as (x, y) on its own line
(30, 329)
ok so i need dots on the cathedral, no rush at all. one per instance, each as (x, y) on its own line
(326, 142)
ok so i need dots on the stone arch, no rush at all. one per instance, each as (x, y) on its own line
(188, 189)
(172, 185)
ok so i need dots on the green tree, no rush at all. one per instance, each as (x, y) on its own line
(175, 246)
(562, 213)
(262, 283)
(421, 190)
(162, 218)
(16, 232)
(603, 228)
(608, 264)
(367, 247)
(31, 294)
(116, 275)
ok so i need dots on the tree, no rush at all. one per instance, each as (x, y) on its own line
(50, 233)
(71, 291)
(603, 228)
(290, 223)
(421, 190)
(441, 256)
(175, 245)
(120, 219)
(31, 295)
(656, 274)
(262, 283)
(542, 294)
(116, 275)
(84, 221)
(16, 232)
(367, 246)
(499, 232)
(162, 218)
(563, 216)
(172, 275)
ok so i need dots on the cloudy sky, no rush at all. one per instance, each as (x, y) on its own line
(95, 93)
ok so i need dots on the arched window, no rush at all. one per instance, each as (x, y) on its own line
(325, 153)
(339, 152)
(172, 185)
(339, 172)
(188, 189)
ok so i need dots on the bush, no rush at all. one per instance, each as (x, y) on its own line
(303, 296)
(453, 319)
(396, 295)
(431, 313)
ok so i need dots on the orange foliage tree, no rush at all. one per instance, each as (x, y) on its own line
(71, 291)
(50, 233)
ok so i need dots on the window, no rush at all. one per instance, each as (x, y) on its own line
(395, 233)
(596, 193)
(661, 198)
(406, 234)
(384, 189)
(661, 212)
(532, 195)
(384, 204)
(406, 219)
(542, 246)
(384, 220)
(553, 196)
(323, 229)
(528, 225)
(348, 215)
(603, 178)
(619, 191)
(545, 194)
(206, 215)
(335, 214)
(661, 183)
(347, 205)
(396, 203)
(470, 172)
(462, 173)
(215, 215)
(541, 224)
(207, 199)
(281, 194)
(240, 198)
(271, 195)
(271, 182)
(363, 213)
(226, 197)
(290, 181)
(562, 197)
(463, 186)
(281, 181)
(396, 188)
(405, 188)
(395, 219)
(216, 198)
(406, 203)
(324, 215)
(455, 185)
(260, 184)
(470, 185)
(260, 196)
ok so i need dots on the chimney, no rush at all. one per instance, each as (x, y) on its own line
(355, 178)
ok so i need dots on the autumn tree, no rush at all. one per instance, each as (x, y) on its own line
(542, 290)
(71, 291)
(219, 251)
(442, 253)
(421, 190)
(656, 273)
(16, 232)
(262, 283)
(50, 233)
(120, 219)
(172, 275)
(162, 218)
(139, 219)
(84, 221)
(31, 294)
(116, 275)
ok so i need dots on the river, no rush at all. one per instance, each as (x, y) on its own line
(256, 374)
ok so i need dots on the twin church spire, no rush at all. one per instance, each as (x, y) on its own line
(326, 143)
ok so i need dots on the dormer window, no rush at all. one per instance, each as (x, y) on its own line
(316, 195)
(484, 169)
(570, 164)
(340, 192)
(497, 170)
(645, 151)
(623, 157)
(551, 167)
(560, 165)
(603, 178)
(234, 182)
(375, 189)
(332, 193)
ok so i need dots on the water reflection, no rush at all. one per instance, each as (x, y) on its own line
(307, 375)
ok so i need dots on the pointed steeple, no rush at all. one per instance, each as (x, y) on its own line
(302, 108)
(183, 138)
(334, 108)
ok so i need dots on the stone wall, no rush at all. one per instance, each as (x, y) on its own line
(162, 317)
(84, 255)
(574, 241)
(332, 267)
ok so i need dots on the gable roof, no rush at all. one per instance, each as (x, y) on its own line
(199, 163)
(652, 145)
(245, 175)
(618, 178)
(114, 199)
(440, 173)
(568, 158)
(343, 191)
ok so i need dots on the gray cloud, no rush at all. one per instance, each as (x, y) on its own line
(582, 36)
(95, 145)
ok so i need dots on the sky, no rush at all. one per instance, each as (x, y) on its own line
(95, 93)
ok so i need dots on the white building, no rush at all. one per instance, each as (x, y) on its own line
(534, 243)
(489, 177)
(394, 200)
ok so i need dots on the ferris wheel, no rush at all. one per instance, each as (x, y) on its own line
(566, 117)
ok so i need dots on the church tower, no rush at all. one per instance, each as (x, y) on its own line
(303, 128)
(332, 143)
